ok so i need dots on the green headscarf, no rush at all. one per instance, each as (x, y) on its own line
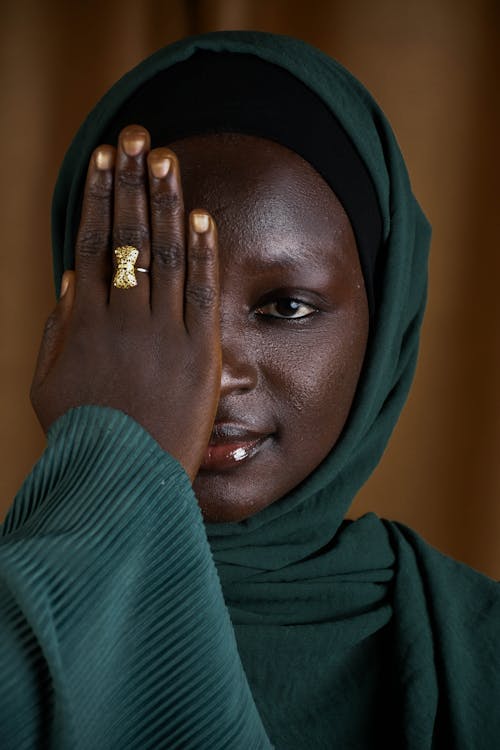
(352, 634)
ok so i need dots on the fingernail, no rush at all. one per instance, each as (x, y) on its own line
(200, 222)
(104, 159)
(160, 167)
(133, 143)
(64, 285)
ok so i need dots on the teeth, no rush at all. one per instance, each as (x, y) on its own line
(239, 454)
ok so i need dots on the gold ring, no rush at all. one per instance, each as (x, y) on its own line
(125, 259)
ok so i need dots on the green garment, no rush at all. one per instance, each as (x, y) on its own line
(115, 630)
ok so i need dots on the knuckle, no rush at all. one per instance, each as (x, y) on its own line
(135, 235)
(130, 180)
(163, 201)
(202, 296)
(97, 192)
(51, 322)
(169, 256)
(50, 329)
(201, 253)
(92, 242)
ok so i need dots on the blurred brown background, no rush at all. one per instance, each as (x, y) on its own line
(433, 66)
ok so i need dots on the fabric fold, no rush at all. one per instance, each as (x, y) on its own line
(110, 602)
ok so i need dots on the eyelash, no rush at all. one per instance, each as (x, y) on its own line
(299, 303)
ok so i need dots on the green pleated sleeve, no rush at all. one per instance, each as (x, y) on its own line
(114, 630)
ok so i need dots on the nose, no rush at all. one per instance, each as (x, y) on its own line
(239, 366)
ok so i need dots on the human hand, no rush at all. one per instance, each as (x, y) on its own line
(152, 351)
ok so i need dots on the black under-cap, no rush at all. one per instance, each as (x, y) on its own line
(214, 92)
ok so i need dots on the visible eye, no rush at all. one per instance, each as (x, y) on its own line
(286, 307)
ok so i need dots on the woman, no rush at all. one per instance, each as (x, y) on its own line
(249, 276)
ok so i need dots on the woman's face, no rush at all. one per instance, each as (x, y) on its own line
(294, 318)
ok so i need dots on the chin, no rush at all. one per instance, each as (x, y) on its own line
(220, 502)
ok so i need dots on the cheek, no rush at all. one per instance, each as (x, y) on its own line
(314, 378)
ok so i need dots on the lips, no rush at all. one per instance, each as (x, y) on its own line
(231, 445)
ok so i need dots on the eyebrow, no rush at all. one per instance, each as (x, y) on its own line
(293, 257)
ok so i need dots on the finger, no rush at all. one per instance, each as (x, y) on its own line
(55, 329)
(131, 215)
(92, 258)
(168, 257)
(201, 313)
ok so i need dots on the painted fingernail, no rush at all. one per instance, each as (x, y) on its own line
(103, 159)
(134, 142)
(160, 167)
(200, 222)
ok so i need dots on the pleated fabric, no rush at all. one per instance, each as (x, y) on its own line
(114, 631)
(294, 628)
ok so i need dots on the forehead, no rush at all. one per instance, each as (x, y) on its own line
(263, 196)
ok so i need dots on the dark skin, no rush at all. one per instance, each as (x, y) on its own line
(258, 323)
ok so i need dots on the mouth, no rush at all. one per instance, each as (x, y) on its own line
(232, 445)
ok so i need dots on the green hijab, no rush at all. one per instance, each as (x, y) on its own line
(352, 634)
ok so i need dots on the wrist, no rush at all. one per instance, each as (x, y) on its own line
(94, 456)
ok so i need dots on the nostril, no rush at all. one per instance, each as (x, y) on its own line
(237, 375)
